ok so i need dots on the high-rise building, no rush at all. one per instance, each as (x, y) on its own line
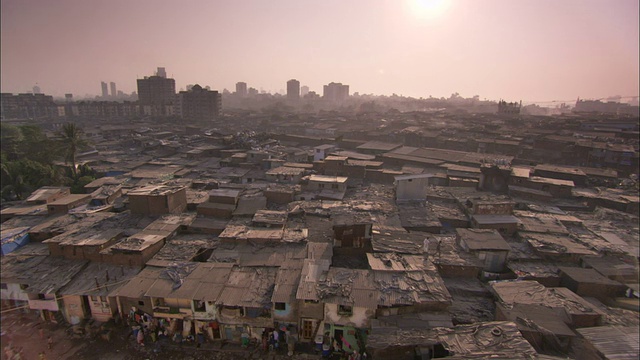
(157, 93)
(199, 104)
(161, 72)
(68, 97)
(335, 92)
(293, 89)
(113, 88)
(304, 90)
(241, 89)
(105, 90)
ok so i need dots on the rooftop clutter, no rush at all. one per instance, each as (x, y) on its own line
(411, 236)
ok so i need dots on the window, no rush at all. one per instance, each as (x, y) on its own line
(41, 297)
(280, 306)
(199, 305)
(140, 303)
(93, 298)
(3, 286)
(345, 310)
(358, 242)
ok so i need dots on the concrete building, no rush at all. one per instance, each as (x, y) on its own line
(412, 187)
(488, 245)
(112, 85)
(293, 89)
(336, 92)
(161, 72)
(27, 106)
(199, 104)
(105, 90)
(157, 93)
(241, 89)
(156, 200)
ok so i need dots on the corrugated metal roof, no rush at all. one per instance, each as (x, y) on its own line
(231, 296)
(187, 290)
(208, 292)
(284, 293)
(93, 279)
(135, 289)
(532, 292)
(161, 288)
(394, 262)
(138, 286)
(614, 342)
(365, 298)
(50, 274)
(287, 281)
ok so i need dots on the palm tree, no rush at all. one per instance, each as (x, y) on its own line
(71, 141)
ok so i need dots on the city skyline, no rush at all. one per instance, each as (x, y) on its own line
(525, 50)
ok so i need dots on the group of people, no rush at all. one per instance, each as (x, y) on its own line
(339, 348)
(273, 339)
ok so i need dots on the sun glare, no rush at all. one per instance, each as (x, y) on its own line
(428, 9)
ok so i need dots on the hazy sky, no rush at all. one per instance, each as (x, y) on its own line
(511, 49)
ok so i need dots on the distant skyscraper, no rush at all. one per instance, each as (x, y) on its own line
(304, 90)
(335, 92)
(293, 89)
(200, 104)
(241, 89)
(113, 88)
(105, 90)
(161, 72)
(157, 92)
(68, 97)
(36, 89)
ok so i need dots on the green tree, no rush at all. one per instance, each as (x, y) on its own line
(10, 138)
(72, 141)
(35, 145)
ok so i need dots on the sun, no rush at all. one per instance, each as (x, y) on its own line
(427, 9)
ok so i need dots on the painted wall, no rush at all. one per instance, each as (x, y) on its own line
(289, 314)
(311, 309)
(360, 317)
(101, 309)
(13, 292)
(208, 314)
(73, 309)
(412, 189)
(48, 303)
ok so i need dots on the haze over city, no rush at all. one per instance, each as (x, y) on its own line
(517, 50)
